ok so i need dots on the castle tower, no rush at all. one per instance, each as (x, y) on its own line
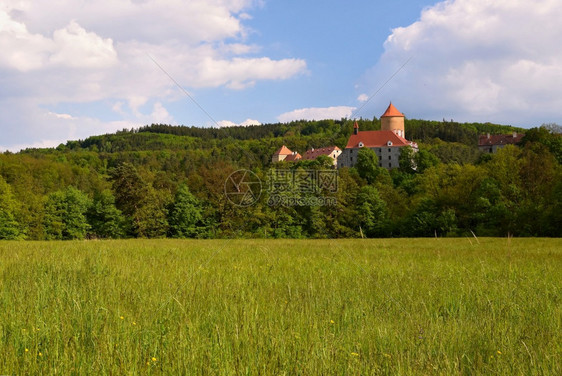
(393, 120)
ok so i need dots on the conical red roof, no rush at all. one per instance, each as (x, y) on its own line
(283, 150)
(392, 111)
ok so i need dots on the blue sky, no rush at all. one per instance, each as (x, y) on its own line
(75, 68)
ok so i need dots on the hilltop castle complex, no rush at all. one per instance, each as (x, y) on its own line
(386, 143)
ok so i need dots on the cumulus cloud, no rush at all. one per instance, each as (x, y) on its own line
(38, 144)
(317, 113)
(245, 123)
(249, 122)
(49, 129)
(75, 47)
(477, 60)
(61, 116)
(240, 73)
(71, 46)
(98, 52)
(226, 123)
(21, 49)
(363, 98)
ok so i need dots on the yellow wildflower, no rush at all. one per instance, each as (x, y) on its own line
(153, 359)
(354, 354)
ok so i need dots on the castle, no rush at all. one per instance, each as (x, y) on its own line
(488, 143)
(285, 154)
(386, 143)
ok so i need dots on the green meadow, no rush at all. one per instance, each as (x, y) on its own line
(282, 307)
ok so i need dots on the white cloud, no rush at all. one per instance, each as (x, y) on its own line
(363, 98)
(240, 73)
(71, 46)
(477, 60)
(249, 122)
(61, 116)
(226, 123)
(317, 113)
(21, 49)
(47, 128)
(160, 115)
(98, 51)
(77, 48)
(245, 123)
(245, 16)
(39, 144)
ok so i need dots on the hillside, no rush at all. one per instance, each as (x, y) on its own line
(334, 132)
(163, 180)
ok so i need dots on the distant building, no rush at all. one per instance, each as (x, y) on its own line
(330, 151)
(386, 143)
(491, 143)
(285, 154)
(293, 157)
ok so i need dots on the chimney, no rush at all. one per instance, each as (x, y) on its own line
(488, 136)
(355, 128)
(514, 134)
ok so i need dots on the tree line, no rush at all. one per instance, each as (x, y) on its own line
(164, 181)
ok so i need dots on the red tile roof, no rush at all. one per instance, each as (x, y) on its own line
(283, 151)
(499, 139)
(293, 157)
(315, 153)
(373, 139)
(392, 111)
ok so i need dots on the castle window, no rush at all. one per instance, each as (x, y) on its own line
(351, 159)
(389, 150)
(389, 164)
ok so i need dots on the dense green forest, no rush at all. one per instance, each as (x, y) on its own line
(168, 181)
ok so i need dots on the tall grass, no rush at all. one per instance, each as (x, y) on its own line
(286, 307)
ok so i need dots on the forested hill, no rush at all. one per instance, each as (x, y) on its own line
(167, 181)
(314, 133)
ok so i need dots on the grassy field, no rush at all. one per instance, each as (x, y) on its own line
(286, 307)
